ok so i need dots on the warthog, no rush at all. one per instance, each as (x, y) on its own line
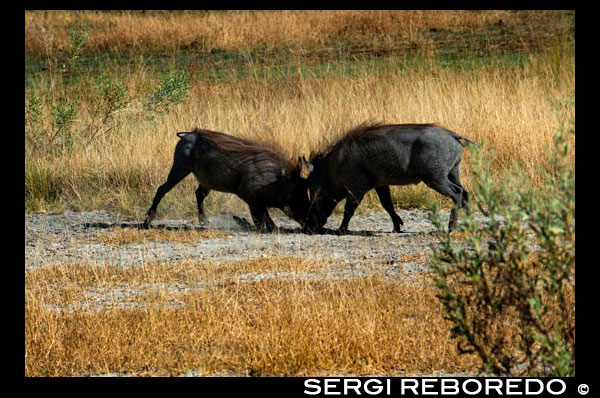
(258, 174)
(376, 156)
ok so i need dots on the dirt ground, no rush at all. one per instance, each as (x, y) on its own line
(70, 238)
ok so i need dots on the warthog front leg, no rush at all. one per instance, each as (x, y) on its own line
(385, 197)
(261, 218)
(352, 202)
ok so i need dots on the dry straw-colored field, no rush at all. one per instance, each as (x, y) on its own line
(296, 79)
(247, 30)
(172, 319)
(514, 107)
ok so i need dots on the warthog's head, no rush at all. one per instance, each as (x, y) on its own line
(296, 197)
(321, 201)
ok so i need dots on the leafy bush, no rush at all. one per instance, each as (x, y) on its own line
(507, 283)
(34, 108)
(63, 114)
(174, 87)
(110, 97)
(54, 135)
(78, 39)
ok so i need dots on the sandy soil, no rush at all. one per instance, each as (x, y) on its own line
(69, 237)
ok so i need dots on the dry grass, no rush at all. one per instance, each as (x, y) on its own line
(168, 319)
(290, 30)
(174, 324)
(514, 111)
(117, 236)
(514, 108)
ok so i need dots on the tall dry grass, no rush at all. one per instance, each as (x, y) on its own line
(515, 111)
(83, 319)
(169, 319)
(242, 30)
(514, 107)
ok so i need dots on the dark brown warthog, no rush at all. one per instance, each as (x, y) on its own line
(376, 156)
(257, 174)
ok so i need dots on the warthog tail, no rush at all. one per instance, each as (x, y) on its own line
(460, 137)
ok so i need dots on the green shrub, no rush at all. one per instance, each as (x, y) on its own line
(63, 115)
(34, 128)
(78, 39)
(174, 88)
(49, 131)
(507, 283)
(111, 96)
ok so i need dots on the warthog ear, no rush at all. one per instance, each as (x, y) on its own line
(305, 167)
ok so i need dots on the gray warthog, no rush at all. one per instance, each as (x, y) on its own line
(258, 174)
(376, 156)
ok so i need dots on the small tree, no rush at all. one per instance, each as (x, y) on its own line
(174, 88)
(507, 284)
(111, 97)
(78, 40)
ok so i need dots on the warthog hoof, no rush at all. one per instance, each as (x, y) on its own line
(203, 221)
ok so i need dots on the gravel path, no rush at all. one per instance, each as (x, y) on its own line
(69, 238)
